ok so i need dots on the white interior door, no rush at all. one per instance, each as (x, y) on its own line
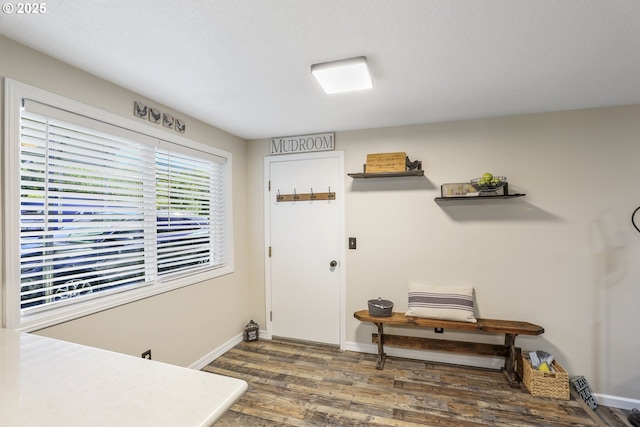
(305, 238)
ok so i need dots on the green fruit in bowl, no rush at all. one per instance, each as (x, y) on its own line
(487, 177)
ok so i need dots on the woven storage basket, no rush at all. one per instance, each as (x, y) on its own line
(546, 384)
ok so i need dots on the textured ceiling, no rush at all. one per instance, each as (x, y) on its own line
(244, 65)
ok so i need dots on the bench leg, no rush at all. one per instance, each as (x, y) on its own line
(381, 355)
(510, 361)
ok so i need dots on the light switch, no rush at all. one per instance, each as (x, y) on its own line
(352, 242)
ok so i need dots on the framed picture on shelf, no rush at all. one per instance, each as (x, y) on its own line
(180, 125)
(140, 110)
(458, 189)
(154, 115)
(167, 120)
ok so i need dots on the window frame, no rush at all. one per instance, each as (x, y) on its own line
(13, 318)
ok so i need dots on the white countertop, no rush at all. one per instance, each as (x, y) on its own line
(47, 382)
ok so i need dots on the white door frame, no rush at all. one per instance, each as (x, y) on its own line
(267, 232)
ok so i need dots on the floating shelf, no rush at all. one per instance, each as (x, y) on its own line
(504, 189)
(492, 197)
(386, 174)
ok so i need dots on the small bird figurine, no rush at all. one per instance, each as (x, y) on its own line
(416, 164)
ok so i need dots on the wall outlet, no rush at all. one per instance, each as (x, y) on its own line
(147, 354)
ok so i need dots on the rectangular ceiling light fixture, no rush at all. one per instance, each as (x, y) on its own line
(344, 75)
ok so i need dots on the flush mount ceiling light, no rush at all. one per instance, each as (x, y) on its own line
(344, 75)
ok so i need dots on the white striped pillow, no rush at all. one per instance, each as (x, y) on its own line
(441, 302)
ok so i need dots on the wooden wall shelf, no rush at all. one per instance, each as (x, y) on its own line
(482, 196)
(491, 197)
(386, 174)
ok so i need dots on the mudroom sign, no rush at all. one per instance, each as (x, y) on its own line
(303, 143)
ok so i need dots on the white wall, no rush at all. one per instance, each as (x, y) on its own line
(181, 326)
(564, 257)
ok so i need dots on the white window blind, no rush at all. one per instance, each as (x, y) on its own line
(190, 212)
(104, 210)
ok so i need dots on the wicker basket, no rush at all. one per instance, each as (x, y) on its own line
(546, 384)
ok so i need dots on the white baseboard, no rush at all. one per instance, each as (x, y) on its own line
(616, 401)
(213, 355)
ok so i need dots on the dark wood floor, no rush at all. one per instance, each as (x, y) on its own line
(301, 384)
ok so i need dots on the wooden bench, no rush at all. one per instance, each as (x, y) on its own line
(509, 328)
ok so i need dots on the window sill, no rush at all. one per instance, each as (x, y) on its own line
(36, 321)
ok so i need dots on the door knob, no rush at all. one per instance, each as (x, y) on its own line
(333, 263)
